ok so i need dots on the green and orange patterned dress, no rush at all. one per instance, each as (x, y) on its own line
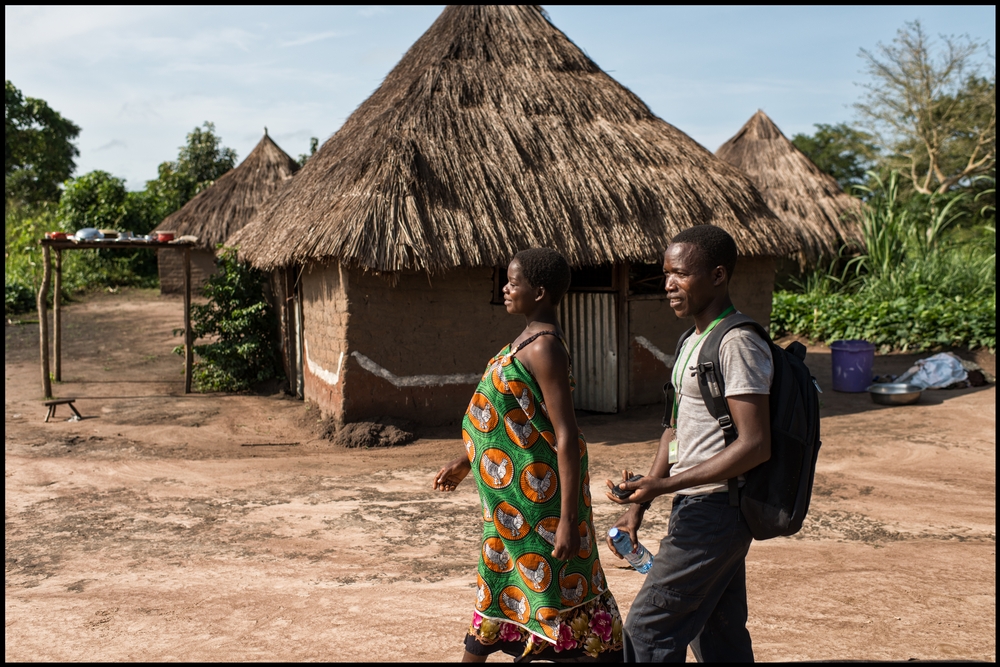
(524, 593)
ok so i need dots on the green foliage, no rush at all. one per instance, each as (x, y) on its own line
(101, 200)
(842, 151)
(199, 163)
(932, 109)
(96, 199)
(920, 285)
(38, 149)
(915, 323)
(242, 326)
(303, 157)
(17, 298)
(81, 269)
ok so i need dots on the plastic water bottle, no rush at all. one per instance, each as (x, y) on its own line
(639, 558)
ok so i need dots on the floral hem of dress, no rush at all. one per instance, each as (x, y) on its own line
(594, 627)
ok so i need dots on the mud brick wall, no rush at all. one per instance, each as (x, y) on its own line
(421, 329)
(325, 316)
(171, 268)
(751, 289)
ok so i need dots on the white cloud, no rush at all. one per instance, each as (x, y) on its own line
(373, 10)
(114, 143)
(309, 39)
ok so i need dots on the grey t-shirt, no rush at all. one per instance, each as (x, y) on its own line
(747, 368)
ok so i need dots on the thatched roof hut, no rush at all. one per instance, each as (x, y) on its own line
(218, 211)
(495, 132)
(810, 201)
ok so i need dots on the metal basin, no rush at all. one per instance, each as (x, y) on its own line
(895, 393)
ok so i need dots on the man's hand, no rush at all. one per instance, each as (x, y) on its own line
(628, 522)
(643, 490)
(567, 540)
(452, 474)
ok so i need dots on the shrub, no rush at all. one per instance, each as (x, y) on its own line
(17, 298)
(919, 285)
(916, 323)
(242, 326)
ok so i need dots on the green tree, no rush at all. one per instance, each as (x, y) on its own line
(96, 199)
(199, 163)
(303, 157)
(933, 109)
(38, 148)
(840, 150)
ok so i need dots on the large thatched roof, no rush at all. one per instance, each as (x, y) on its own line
(495, 133)
(807, 199)
(218, 211)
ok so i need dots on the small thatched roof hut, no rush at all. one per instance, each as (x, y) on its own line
(809, 200)
(223, 208)
(494, 133)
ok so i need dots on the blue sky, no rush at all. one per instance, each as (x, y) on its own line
(137, 79)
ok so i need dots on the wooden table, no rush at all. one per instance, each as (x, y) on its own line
(48, 245)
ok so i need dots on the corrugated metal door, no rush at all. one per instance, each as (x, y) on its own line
(590, 323)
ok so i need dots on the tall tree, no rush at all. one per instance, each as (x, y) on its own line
(936, 112)
(199, 163)
(38, 148)
(840, 150)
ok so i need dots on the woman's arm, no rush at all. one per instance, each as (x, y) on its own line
(452, 474)
(547, 360)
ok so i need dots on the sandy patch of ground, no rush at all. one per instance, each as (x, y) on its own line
(153, 531)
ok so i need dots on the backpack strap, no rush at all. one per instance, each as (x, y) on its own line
(712, 382)
(669, 391)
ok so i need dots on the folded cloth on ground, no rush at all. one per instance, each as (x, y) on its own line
(936, 372)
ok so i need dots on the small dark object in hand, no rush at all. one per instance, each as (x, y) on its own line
(622, 493)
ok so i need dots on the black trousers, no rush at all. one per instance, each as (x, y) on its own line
(695, 594)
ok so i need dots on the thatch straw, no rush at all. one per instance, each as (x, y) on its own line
(492, 134)
(807, 199)
(226, 206)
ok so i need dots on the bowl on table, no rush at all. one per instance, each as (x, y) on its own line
(895, 393)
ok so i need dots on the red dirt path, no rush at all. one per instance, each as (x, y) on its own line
(148, 532)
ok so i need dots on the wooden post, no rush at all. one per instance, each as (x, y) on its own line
(624, 335)
(57, 319)
(43, 320)
(188, 352)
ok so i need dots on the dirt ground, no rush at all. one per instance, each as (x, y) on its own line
(220, 527)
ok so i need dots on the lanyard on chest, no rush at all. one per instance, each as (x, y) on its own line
(678, 372)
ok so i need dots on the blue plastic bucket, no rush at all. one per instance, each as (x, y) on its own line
(852, 365)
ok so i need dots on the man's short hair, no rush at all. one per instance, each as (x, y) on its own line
(714, 245)
(545, 267)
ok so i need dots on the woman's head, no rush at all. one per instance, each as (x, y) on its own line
(535, 276)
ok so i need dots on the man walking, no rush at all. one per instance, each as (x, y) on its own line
(695, 592)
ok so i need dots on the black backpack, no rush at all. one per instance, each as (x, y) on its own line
(775, 496)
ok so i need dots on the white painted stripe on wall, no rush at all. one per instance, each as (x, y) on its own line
(320, 372)
(396, 380)
(667, 359)
(414, 380)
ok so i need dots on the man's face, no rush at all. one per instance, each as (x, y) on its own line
(690, 284)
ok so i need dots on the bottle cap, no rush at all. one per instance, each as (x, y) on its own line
(613, 533)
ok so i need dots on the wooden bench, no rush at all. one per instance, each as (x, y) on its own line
(61, 401)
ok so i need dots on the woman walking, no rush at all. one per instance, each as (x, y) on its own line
(541, 591)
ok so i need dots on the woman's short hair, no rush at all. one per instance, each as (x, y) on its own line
(715, 246)
(545, 267)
